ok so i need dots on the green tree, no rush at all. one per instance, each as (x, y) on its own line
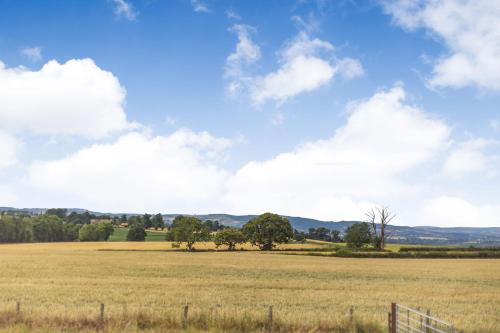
(146, 220)
(48, 228)
(189, 230)
(136, 233)
(230, 237)
(268, 229)
(106, 229)
(71, 231)
(95, 232)
(15, 229)
(358, 235)
(59, 212)
(158, 222)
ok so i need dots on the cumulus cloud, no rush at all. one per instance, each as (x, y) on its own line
(305, 64)
(471, 32)
(137, 172)
(469, 156)
(32, 53)
(8, 150)
(200, 6)
(124, 9)
(74, 98)
(365, 162)
(361, 164)
(450, 211)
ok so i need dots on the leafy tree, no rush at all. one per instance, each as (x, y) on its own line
(90, 233)
(106, 228)
(123, 218)
(299, 236)
(188, 229)
(335, 236)
(48, 228)
(230, 237)
(358, 235)
(134, 219)
(136, 233)
(268, 229)
(70, 231)
(15, 229)
(213, 225)
(158, 222)
(96, 232)
(146, 220)
(59, 212)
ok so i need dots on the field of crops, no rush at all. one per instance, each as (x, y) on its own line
(146, 286)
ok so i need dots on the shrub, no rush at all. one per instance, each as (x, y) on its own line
(136, 233)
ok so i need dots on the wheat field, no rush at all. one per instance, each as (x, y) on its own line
(57, 284)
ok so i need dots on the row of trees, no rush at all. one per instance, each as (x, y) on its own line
(264, 231)
(50, 228)
(321, 233)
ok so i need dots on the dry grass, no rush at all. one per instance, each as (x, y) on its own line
(66, 282)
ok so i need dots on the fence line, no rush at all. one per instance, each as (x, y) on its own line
(403, 319)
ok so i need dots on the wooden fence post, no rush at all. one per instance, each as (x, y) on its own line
(185, 316)
(18, 308)
(101, 314)
(393, 318)
(270, 318)
(389, 322)
(427, 321)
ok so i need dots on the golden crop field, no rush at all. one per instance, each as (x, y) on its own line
(61, 285)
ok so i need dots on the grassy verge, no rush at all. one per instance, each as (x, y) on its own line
(169, 322)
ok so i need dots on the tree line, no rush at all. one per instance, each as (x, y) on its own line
(264, 231)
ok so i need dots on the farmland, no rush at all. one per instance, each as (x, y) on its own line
(69, 281)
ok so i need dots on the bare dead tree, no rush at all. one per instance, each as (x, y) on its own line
(371, 220)
(385, 218)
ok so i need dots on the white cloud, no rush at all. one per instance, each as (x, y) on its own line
(471, 31)
(362, 164)
(32, 53)
(137, 172)
(124, 9)
(200, 6)
(8, 150)
(75, 98)
(469, 156)
(305, 65)
(232, 14)
(449, 211)
(246, 53)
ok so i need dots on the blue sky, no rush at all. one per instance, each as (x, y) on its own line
(312, 108)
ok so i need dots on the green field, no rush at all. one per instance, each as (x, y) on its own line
(120, 235)
(145, 285)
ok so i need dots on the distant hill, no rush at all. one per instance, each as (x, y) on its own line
(399, 234)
